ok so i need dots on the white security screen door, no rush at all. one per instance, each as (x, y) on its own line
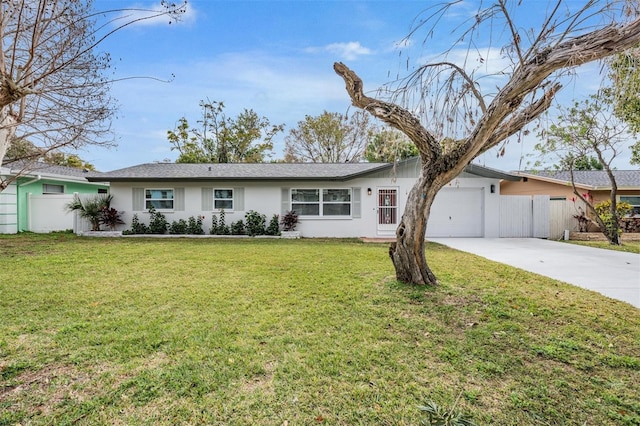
(387, 210)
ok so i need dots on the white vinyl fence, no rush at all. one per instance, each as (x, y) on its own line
(523, 216)
(9, 210)
(562, 212)
(47, 213)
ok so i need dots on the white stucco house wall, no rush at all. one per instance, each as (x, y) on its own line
(331, 200)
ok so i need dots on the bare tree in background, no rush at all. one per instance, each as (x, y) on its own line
(53, 89)
(330, 137)
(458, 122)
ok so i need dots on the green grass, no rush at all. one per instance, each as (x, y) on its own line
(271, 332)
(627, 246)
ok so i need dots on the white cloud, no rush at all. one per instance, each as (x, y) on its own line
(347, 51)
(283, 89)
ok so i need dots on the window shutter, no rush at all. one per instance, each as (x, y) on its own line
(137, 201)
(207, 199)
(178, 199)
(355, 203)
(286, 202)
(238, 199)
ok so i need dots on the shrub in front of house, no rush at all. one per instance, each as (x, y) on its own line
(237, 227)
(214, 225)
(137, 227)
(158, 222)
(289, 221)
(274, 225)
(178, 227)
(218, 225)
(194, 225)
(604, 211)
(110, 217)
(255, 223)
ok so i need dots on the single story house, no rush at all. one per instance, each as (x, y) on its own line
(594, 184)
(36, 200)
(332, 200)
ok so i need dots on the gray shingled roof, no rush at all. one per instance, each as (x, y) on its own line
(592, 178)
(238, 171)
(260, 171)
(46, 169)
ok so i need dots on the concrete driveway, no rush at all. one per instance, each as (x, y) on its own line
(612, 273)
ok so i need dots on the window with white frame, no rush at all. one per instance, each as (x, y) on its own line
(223, 199)
(48, 188)
(634, 200)
(321, 202)
(336, 202)
(159, 199)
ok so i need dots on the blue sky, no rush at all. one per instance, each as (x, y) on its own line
(274, 57)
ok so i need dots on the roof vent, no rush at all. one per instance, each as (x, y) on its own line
(209, 168)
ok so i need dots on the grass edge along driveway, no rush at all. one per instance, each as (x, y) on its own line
(184, 331)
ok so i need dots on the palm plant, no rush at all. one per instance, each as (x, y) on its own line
(90, 208)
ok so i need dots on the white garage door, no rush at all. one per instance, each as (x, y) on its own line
(457, 212)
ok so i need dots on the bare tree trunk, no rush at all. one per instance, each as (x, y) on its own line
(531, 87)
(613, 231)
(408, 252)
(7, 132)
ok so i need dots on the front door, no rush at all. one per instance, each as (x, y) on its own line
(387, 211)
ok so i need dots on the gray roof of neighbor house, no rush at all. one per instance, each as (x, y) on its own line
(260, 171)
(589, 179)
(44, 169)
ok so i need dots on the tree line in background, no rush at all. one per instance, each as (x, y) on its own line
(330, 137)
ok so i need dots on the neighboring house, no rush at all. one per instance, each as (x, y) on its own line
(36, 200)
(594, 184)
(332, 200)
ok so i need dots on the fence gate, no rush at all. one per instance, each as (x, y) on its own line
(522, 216)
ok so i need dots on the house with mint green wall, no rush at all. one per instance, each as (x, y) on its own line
(35, 202)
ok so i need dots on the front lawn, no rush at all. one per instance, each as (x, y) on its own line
(297, 332)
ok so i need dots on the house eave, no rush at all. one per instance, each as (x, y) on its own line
(555, 181)
(488, 172)
(229, 179)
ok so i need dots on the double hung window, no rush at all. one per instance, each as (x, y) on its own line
(159, 199)
(321, 202)
(223, 199)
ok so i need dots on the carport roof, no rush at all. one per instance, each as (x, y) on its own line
(260, 171)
